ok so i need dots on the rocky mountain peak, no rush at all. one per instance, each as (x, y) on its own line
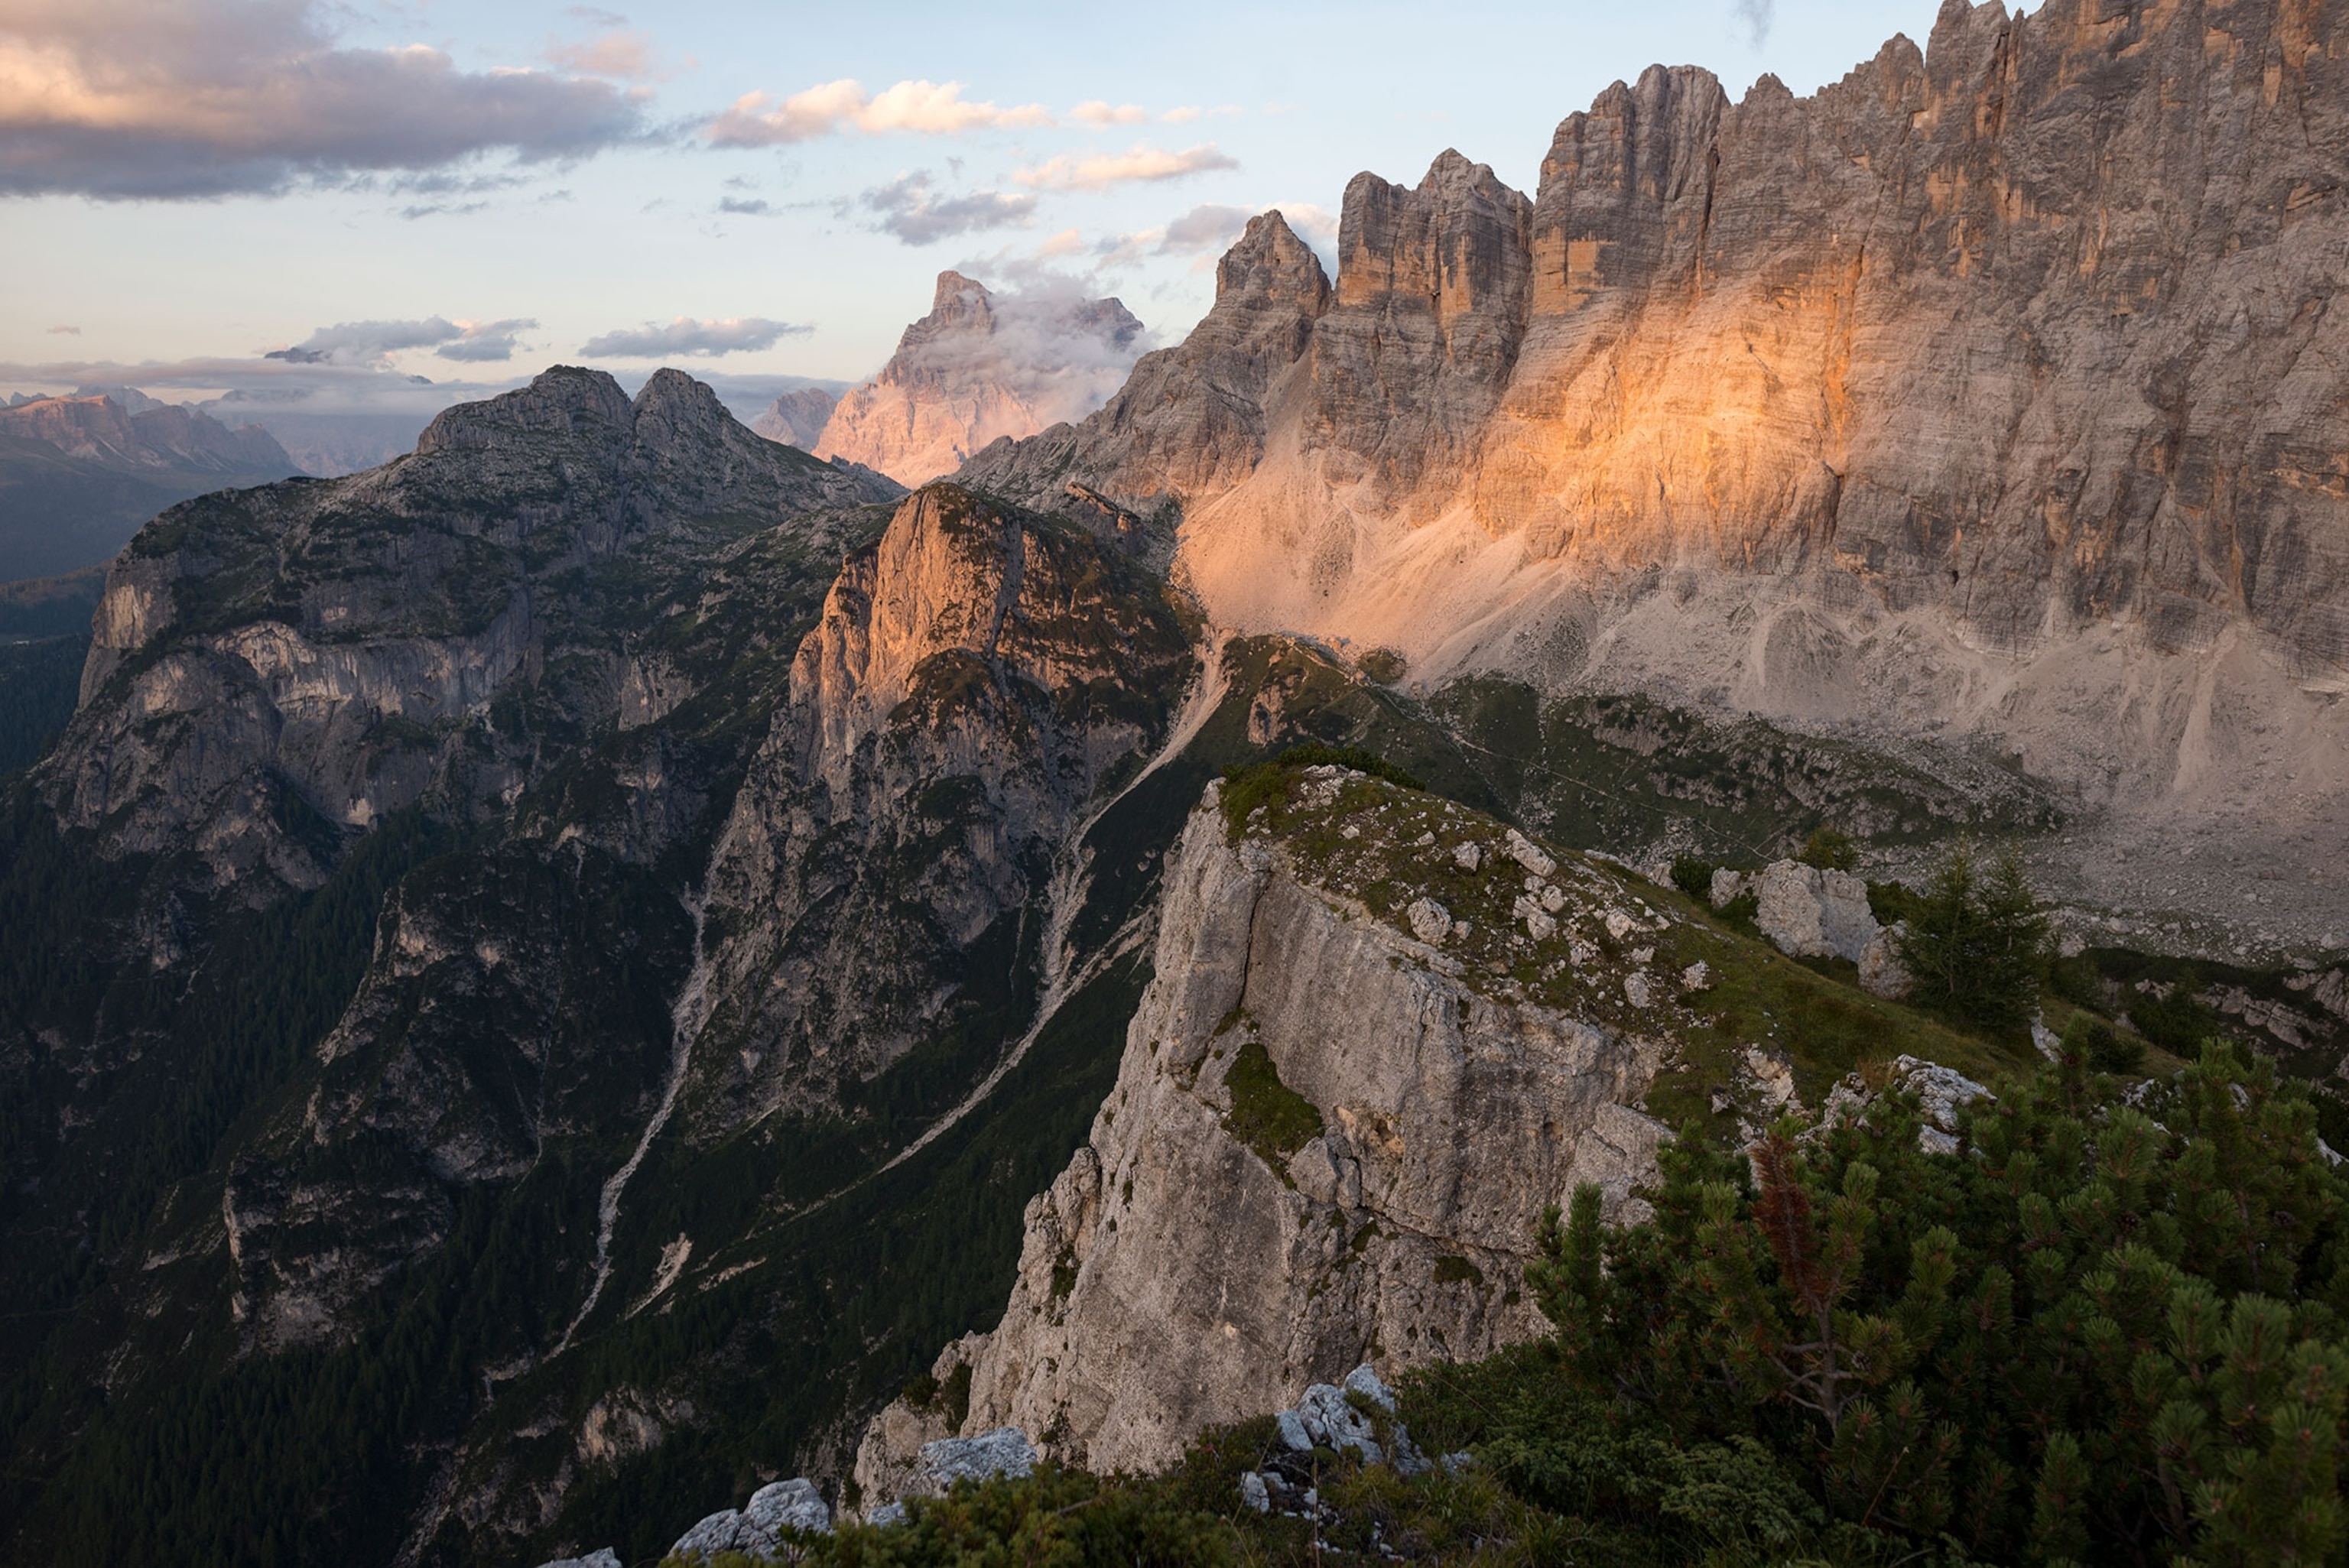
(1269, 268)
(565, 398)
(980, 367)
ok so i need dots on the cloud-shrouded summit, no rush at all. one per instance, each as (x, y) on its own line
(182, 98)
(982, 366)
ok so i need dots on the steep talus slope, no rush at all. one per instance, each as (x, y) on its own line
(1992, 394)
(977, 368)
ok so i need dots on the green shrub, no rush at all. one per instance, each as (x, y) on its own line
(1694, 876)
(2178, 1021)
(2102, 1047)
(2101, 1333)
(1976, 943)
(1829, 850)
(1267, 1115)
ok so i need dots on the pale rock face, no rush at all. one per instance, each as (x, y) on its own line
(756, 1529)
(1986, 394)
(797, 419)
(1808, 912)
(1171, 1279)
(977, 369)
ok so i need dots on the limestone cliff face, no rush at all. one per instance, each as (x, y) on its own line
(976, 677)
(1330, 1141)
(979, 368)
(1992, 392)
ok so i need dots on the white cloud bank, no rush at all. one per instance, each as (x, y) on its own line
(1139, 164)
(920, 107)
(688, 338)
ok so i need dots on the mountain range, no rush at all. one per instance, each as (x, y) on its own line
(610, 960)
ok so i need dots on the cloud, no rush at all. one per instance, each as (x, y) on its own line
(371, 343)
(1205, 228)
(64, 331)
(923, 108)
(1138, 163)
(1097, 112)
(484, 342)
(1757, 15)
(745, 207)
(627, 55)
(595, 17)
(1067, 242)
(365, 342)
(1182, 115)
(909, 209)
(688, 338)
(170, 99)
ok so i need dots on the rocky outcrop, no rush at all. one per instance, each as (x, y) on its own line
(975, 676)
(1275, 1192)
(1805, 911)
(979, 368)
(756, 1529)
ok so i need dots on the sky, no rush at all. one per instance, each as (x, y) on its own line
(349, 195)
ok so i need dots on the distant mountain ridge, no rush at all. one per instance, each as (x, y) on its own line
(79, 474)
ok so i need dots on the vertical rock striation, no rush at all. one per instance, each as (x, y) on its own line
(1282, 1185)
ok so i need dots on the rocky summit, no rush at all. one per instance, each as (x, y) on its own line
(979, 368)
(625, 986)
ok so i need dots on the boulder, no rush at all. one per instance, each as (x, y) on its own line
(1005, 1450)
(756, 1529)
(604, 1558)
(1808, 912)
(1881, 973)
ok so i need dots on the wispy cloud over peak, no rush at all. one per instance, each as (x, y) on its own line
(1137, 164)
(126, 98)
(372, 344)
(689, 339)
(919, 108)
(911, 209)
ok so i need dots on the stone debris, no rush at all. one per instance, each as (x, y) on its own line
(1697, 976)
(1326, 1418)
(1468, 857)
(756, 1529)
(1726, 885)
(1940, 1091)
(603, 1558)
(1635, 989)
(2049, 1043)
(1430, 920)
(1526, 853)
(1539, 923)
(1255, 1493)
